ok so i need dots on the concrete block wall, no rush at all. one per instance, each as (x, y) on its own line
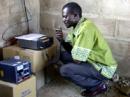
(111, 16)
(12, 17)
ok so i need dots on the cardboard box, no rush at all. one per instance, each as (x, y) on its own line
(38, 58)
(24, 89)
(11, 51)
(40, 80)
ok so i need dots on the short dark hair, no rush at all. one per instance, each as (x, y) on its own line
(73, 7)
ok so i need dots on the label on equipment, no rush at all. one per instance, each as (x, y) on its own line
(20, 67)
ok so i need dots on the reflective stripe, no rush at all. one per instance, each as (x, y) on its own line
(79, 53)
(107, 71)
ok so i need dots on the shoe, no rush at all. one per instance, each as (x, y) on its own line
(99, 89)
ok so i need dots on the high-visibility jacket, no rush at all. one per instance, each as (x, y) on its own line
(90, 46)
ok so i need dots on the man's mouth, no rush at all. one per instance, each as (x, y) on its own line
(66, 22)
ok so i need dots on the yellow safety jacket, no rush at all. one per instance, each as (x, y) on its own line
(89, 45)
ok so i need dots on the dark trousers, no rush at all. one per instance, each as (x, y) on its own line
(83, 74)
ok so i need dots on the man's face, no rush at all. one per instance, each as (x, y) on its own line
(69, 18)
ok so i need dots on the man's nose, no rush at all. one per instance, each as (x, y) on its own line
(66, 19)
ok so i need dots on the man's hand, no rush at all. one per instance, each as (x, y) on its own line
(59, 34)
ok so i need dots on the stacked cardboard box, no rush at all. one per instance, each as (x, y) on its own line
(26, 88)
(40, 79)
(38, 58)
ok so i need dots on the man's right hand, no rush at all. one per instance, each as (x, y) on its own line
(59, 34)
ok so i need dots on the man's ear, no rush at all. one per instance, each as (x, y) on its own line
(75, 15)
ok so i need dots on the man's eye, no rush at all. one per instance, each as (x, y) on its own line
(64, 17)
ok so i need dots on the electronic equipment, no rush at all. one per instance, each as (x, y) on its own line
(15, 70)
(35, 41)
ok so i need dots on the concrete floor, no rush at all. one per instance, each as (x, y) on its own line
(59, 87)
(63, 88)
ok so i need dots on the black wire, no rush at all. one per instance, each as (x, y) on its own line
(27, 20)
(25, 9)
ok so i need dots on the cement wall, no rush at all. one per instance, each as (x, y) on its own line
(111, 16)
(13, 17)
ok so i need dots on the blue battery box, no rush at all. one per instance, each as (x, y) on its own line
(15, 70)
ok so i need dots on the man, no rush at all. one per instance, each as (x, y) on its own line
(88, 60)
